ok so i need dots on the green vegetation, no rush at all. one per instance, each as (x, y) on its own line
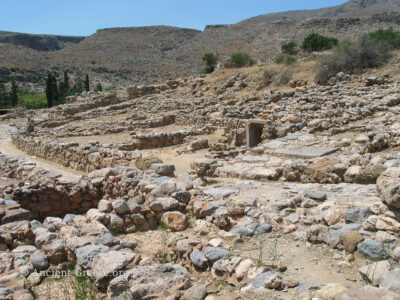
(353, 57)
(387, 35)
(87, 85)
(83, 288)
(3, 95)
(99, 87)
(317, 42)
(289, 48)
(13, 96)
(211, 61)
(31, 100)
(286, 59)
(52, 95)
(241, 59)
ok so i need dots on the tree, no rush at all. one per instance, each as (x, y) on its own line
(49, 90)
(99, 87)
(54, 87)
(66, 80)
(289, 48)
(13, 94)
(241, 59)
(3, 95)
(317, 42)
(87, 83)
(210, 60)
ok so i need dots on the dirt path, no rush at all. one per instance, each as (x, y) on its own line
(7, 147)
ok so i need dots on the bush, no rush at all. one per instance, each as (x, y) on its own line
(286, 59)
(289, 48)
(388, 35)
(279, 77)
(241, 59)
(210, 60)
(352, 57)
(317, 42)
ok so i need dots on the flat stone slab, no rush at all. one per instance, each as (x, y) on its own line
(307, 152)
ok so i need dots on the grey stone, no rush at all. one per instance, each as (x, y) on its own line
(391, 281)
(388, 187)
(151, 280)
(85, 255)
(308, 152)
(219, 192)
(164, 204)
(372, 249)
(261, 280)
(121, 207)
(105, 206)
(215, 253)
(107, 264)
(316, 195)
(356, 215)
(106, 239)
(334, 237)
(263, 228)
(196, 292)
(163, 169)
(39, 261)
(198, 259)
(293, 218)
(242, 231)
(69, 218)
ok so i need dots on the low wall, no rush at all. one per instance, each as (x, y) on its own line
(85, 158)
(46, 194)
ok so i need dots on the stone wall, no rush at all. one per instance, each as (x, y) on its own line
(163, 139)
(84, 158)
(47, 194)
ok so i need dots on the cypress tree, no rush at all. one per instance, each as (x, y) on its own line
(87, 83)
(3, 95)
(66, 80)
(49, 90)
(61, 90)
(54, 88)
(13, 94)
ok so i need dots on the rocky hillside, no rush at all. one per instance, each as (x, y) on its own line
(158, 53)
(352, 8)
(38, 42)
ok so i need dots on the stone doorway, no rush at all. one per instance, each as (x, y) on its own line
(254, 130)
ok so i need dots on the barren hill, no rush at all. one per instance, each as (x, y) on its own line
(158, 53)
(352, 8)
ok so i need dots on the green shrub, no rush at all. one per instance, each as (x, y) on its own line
(99, 87)
(387, 35)
(286, 59)
(317, 42)
(289, 48)
(352, 57)
(241, 59)
(210, 59)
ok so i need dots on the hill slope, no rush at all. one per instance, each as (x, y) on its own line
(159, 53)
(352, 8)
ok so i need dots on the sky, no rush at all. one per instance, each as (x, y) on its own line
(84, 17)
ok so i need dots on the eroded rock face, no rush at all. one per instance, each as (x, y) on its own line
(388, 187)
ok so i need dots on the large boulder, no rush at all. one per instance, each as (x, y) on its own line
(85, 255)
(388, 186)
(152, 280)
(108, 264)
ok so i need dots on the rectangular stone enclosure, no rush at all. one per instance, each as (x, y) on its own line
(254, 130)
